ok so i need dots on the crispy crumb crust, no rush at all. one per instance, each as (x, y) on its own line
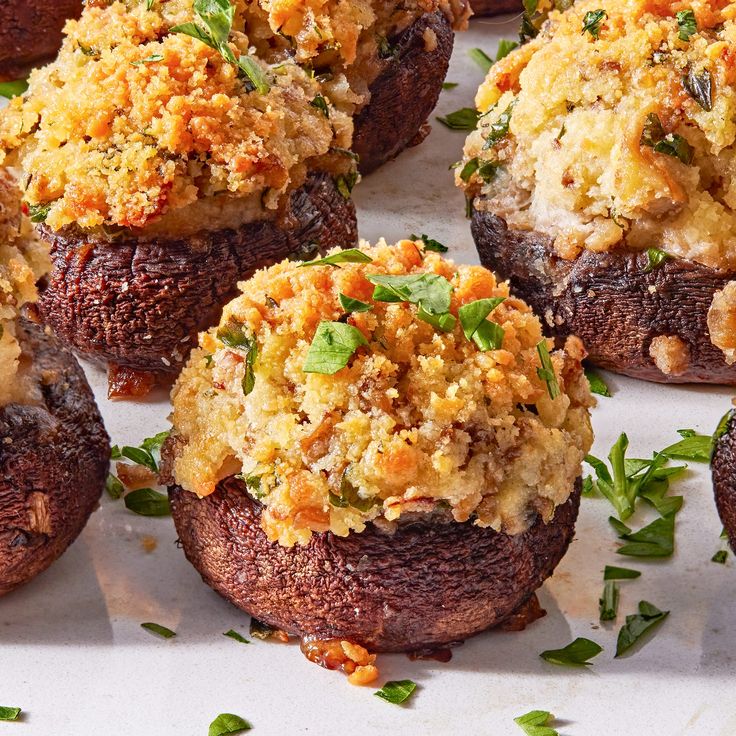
(418, 420)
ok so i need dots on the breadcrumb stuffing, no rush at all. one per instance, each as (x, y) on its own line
(23, 260)
(418, 421)
(575, 163)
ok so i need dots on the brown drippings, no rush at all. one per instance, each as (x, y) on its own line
(148, 543)
(443, 655)
(134, 477)
(124, 383)
(526, 614)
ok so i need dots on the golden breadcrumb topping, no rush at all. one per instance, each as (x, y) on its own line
(622, 130)
(23, 260)
(418, 420)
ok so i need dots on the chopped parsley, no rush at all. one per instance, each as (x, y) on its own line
(430, 244)
(148, 60)
(576, 654)
(351, 255)
(349, 496)
(466, 118)
(655, 258)
(233, 336)
(612, 572)
(449, 85)
(481, 58)
(147, 454)
(547, 371)
(232, 634)
(505, 47)
(333, 345)
(534, 723)
(637, 625)
(592, 22)
(13, 89)
(147, 502)
(228, 723)
(699, 86)
(597, 384)
(608, 602)
(654, 540)
(115, 489)
(345, 183)
(351, 305)
(9, 714)
(429, 291)
(39, 212)
(693, 446)
(669, 144)
(499, 129)
(321, 104)
(159, 630)
(687, 24)
(396, 691)
(485, 334)
(720, 557)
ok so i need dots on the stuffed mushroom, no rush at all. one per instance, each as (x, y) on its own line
(54, 449)
(378, 448)
(31, 32)
(600, 182)
(173, 148)
(723, 467)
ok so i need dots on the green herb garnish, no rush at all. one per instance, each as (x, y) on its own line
(233, 336)
(534, 723)
(576, 654)
(469, 169)
(345, 183)
(597, 384)
(148, 60)
(228, 723)
(39, 212)
(695, 447)
(449, 85)
(147, 454)
(637, 625)
(13, 89)
(655, 258)
(147, 502)
(321, 104)
(332, 347)
(430, 291)
(699, 86)
(351, 255)
(349, 496)
(505, 47)
(430, 243)
(547, 371)
(9, 714)
(476, 327)
(232, 634)
(670, 144)
(687, 23)
(159, 630)
(351, 305)
(115, 489)
(499, 129)
(481, 58)
(396, 691)
(620, 573)
(529, 20)
(654, 540)
(466, 118)
(608, 602)
(444, 322)
(720, 557)
(592, 22)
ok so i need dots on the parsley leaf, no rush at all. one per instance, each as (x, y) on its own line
(637, 625)
(499, 129)
(430, 291)
(547, 372)
(228, 723)
(233, 336)
(430, 243)
(332, 347)
(505, 47)
(608, 602)
(8, 713)
(13, 89)
(576, 654)
(350, 255)
(687, 23)
(699, 86)
(396, 691)
(720, 557)
(148, 60)
(486, 335)
(321, 104)
(534, 723)
(481, 58)
(655, 258)
(115, 489)
(232, 634)
(597, 384)
(654, 540)
(592, 22)
(670, 144)
(695, 447)
(159, 630)
(466, 118)
(147, 502)
(351, 305)
(449, 85)
(620, 573)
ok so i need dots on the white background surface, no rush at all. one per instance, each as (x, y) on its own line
(73, 655)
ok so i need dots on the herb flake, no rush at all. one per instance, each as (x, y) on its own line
(159, 630)
(228, 723)
(232, 634)
(687, 24)
(620, 573)
(576, 654)
(547, 372)
(534, 723)
(333, 345)
(597, 384)
(608, 602)
(8, 713)
(147, 502)
(350, 255)
(396, 691)
(476, 327)
(638, 625)
(592, 22)
(466, 118)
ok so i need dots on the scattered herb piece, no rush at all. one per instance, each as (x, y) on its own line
(597, 384)
(115, 489)
(349, 495)
(351, 255)
(723, 424)
(449, 85)
(699, 86)
(351, 305)
(430, 243)
(466, 118)
(469, 169)
(396, 691)
(321, 104)
(332, 347)
(694, 447)
(148, 60)
(534, 723)
(233, 336)
(476, 327)
(505, 47)
(159, 630)
(385, 49)
(228, 723)
(260, 630)
(345, 184)
(588, 487)
(637, 625)
(608, 602)
(529, 21)
(481, 58)
(9, 714)
(592, 22)
(13, 89)
(670, 144)
(39, 212)
(576, 654)
(444, 322)
(687, 23)
(720, 557)
(147, 502)
(620, 573)
(618, 526)
(655, 258)
(430, 291)
(654, 540)
(232, 634)
(499, 129)
(547, 371)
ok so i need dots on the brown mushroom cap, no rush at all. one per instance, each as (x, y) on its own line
(404, 93)
(495, 7)
(30, 32)
(53, 461)
(723, 467)
(430, 583)
(612, 302)
(139, 302)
